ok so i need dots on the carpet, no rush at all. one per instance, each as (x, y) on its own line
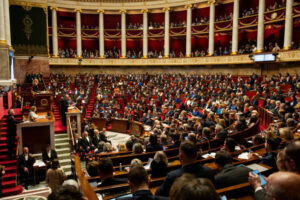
(116, 138)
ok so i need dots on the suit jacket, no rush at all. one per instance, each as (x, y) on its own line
(86, 143)
(96, 140)
(143, 195)
(196, 169)
(77, 145)
(260, 195)
(103, 137)
(151, 148)
(46, 158)
(231, 175)
(22, 162)
(269, 159)
(112, 181)
(11, 126)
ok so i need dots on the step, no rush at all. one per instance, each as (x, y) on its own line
(64, 156)
(8, 184)
(59, 140)
(9, 176)
(62, 145)
(63, 150)
(64, 162)
(12, 191)
(57, 136)
(10, 170)
(8, 163)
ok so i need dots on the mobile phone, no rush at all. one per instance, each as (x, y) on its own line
(262, 180)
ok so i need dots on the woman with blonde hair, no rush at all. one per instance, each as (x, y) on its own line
(107, 147)
(159, 165)
(55, 176)
(122, 147)
(137, 148)
(286, 134)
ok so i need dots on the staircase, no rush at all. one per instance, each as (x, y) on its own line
(62, 147)
(58, 126)
(90, 106)
(9, 183)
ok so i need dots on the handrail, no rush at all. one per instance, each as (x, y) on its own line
(71, 132)
(85, 185)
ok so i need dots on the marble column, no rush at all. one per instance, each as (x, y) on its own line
(123, 33)
(211, 39)
(261, 26)
(145, 33)
(188, 48)
(54, 32)
(78, 33)
(7, 22)
(2, 24)
(167, 33)
(235, 28)
(101, 33)
(288, 27)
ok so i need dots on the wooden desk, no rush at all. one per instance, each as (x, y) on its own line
(43, 100)
(73, 121)
(99, 122)
(119, 125)
(36, 135)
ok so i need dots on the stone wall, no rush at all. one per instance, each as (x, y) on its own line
(36, 65)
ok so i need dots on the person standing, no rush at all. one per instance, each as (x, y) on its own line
(55, 176)
(64, 104)
(11, 132)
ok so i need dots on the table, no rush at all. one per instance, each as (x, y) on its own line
(37, 134)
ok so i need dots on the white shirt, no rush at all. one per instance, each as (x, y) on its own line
(26, 157)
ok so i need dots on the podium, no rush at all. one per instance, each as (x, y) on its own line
(136, 128)
(73, 117)
(119, 125)
(36, 135)
(43, 101)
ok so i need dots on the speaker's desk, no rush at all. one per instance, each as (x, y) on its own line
(37, 134)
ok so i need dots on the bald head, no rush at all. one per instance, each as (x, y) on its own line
(283, 185)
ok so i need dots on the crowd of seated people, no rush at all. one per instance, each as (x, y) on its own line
(134, 54)
(135, 26)
(249, 12)
(155, 54)
(183, 125)
(177, 24)
(67, 53)
(224, 17)
(198, 53)
(180, 111)
(276, 5)
(153, 25)
(201, 21)
(90, 54)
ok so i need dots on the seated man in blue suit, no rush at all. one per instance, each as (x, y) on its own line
(188, 158)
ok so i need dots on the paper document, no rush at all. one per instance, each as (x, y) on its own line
(244, 156)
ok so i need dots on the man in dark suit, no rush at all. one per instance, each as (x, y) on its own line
(188, 158)
(229, 175)
(11, 132)
(139, 185)
(86, 142)
(64, 104)
(96, 138)
(103, 136)
(106, 173)
(25, 165)
(48, 155)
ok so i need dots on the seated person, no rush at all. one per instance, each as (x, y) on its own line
(153, 146)
(25, 166)
(49, 155)
(229, 175)
(86, 142)
(159, 165)
(188, 158)
(32, 116)
(66, 192)
(139, 185)
(189, 187)
(106, 173)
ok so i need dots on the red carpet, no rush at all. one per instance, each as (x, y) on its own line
(58, 126)
(9, 185)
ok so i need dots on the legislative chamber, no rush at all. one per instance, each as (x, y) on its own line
(150, 99)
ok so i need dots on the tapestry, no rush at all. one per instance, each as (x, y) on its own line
(28, 30)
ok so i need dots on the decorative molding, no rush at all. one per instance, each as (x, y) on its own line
(166, 9)
(284, 56)
(144, 10)
(123, 11)
(100, 11)
(77, 10)
(188, 6)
